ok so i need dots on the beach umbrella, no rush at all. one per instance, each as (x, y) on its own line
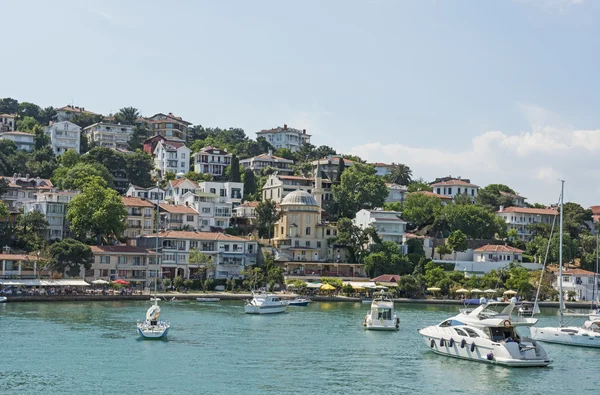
(490, 291)
(327, 287)
(100, 282)
(476, 291)
(122, 282)
(510, 292)
(462, 291)
(434, 289)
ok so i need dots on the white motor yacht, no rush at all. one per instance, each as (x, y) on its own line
(263, 303)
(486, 336)
(382, 317)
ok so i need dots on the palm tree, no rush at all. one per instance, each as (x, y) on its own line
(127, 115)
(399, 174)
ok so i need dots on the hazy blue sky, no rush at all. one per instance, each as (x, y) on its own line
(496, 91)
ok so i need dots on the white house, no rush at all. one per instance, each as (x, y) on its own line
(396, 193)
(53, 204)
(8, 122)
(231, 254)
(178, 217)
(246, 210)
(214, 212)
(448, 186)
(171, 156)
(24, 141)
(233, 192)
(109, 135)
(382, 169)
(579, 281)
(179, 187)
(520, 218)
(63, 135)
(388, 224)
(284, 137)
(22, 190)
(150, 193)
(497, 253)
(211, 160)
(257, 163)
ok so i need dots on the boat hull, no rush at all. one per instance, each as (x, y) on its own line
(482, 350)
(207, 300)
(299, 304)
(3, 299)
(560, 336)
(265, 309)
(153, 333)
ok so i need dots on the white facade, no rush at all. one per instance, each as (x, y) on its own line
(24, 141)
(233, 192)
(109, 135)
(497, 253)
(172, 157)
(520, 218)
(151, 193)
(453, 187)
(579, 281)
(22, 190)
(396, 193)
(257, 163)
(246, 210)
(388, 224)
(278, 186)
(518, 201)
(66, 113)
(178, 217)
(8, 122)
(284, 137)
(382, 169)
(112, 262)
(210, 160)
(63, 136)
(53, 205)
(214, 212)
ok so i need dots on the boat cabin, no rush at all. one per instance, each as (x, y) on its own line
(503, 334)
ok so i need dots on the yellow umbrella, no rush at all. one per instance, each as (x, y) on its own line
(434, 289)
(510, 292)
(490, 291)
(476, 291)
(327, 287)
(462, 291)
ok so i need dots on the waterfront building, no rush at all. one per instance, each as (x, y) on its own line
(211, 160)
(214, 212)
(22, 190)
(170, 156)
(134, 264)
(63, 136)
(388, 224)
(172, 127)
(497, 253)
(8, 122)
(18, 265)
(231, 254)
(284, 137)
(24, 141)
(53, 204)
(449, 186)
(109, 135)
(257, 163)
(396, 193)
(66, 113)
(150, 193)
(181, 217)
(579, 281)
(520, 218)
(140, 217)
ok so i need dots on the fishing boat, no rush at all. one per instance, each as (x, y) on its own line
(586, 335)
(263, 303)
(300, 302)
(485, 335)
(207, 300)
(381, 316)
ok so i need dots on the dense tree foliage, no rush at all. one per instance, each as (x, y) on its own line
(355, 239)
(399, 174)
(421, 209)
(31, 230)
(80, 174)
(474, 221)
(491, 196)
(359, 188)
(70, 256)
(266, 217)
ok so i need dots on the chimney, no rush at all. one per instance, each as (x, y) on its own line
(285, 126)
(501, 208)
(270, 153)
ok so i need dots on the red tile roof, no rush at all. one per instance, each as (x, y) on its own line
(8, 115)
(209, 236)
(499, 248)
(179, 181)
(388, 278)
(135, 202)
(380, 164)
(170, 208)
(427, 193)
(527, 210)
(595, 210)
(249, 204)
(454, 182)
(121, 249)
(579, 272)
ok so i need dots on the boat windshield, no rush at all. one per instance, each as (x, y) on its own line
(451, 323)
(384, 314)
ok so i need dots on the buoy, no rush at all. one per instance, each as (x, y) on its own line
(472, 347)
(451, 342)
(463, 343)
(490, 356)
(397, 321)
(442, 342)
(432, 343)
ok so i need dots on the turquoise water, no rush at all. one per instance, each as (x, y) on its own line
(93, 348)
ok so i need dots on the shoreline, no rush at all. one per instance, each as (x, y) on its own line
(245, 296)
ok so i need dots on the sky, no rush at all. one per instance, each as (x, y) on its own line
(495, 91)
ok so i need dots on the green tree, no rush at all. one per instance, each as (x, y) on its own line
(421, 209)
(178, 282)
(387, 258)
(204, 262)
(27, 124)
(198, 177)
(28, 110)
(306, 153)
(9, 106)
(76, 177)
(443, 249)
(68, 256)
(393, 206)
(234, 175)
(474, 221)
(399, 174)
(127, 115)
(47, 115)
(266, 217)
(40, 138)
(70, 158)
(340, 171)
(419, 186)
(355, 239)
(97, 210)
(323, 151)
(519, 280)
(457, 242)
(4, 213)
(359, 188)
(41, 163)
(249, 184)
(170, 176)
(285, 153)
(140, 133)
(138, 167)
(492, 196)
(253, 277)
(31, 229)
(86, 119)
(575, 219)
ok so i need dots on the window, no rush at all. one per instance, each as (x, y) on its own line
(308, 219)
(222, 192)
(181, 245)
(137, 261)
(182, 164)
(458, 190)
(104, 259)
(472, 192)
(471, 332)
(449, 191)
(318, 244)
(193, 245)
(307, 231)
(213, 190)
(307, 244)
(460, 331)
(296, 243)
(122, 260)
(328, 232)
(205, 210)
(567, 279)
(190, 218)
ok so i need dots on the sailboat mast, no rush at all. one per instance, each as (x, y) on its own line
(156, 251)
(595, 271)
(561, 306)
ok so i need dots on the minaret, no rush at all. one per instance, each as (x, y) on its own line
(317, 190)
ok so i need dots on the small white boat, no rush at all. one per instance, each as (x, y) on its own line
(3, 299)
(152, 327)
(300, 302)
(207, 299)
(487, 336)
(526, 309)
(154, 299)
(382, 317)
(367, 300)
(263, 303)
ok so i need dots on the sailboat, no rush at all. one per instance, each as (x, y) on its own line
(587, 335)
(152, 327)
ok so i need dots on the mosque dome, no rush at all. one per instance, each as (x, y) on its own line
(299, 198)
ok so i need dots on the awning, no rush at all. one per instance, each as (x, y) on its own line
(313, 285)
(361, 284)
(387, 284)
(46, 283)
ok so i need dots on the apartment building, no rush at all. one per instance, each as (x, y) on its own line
(63, 136)
(211, 160)
(53, 204)
(169, 126)
(140, 217)
(8, 122)
(150, 193)
(450, 187)
(284, 137)
(24, 141)
(179, 217)
(171, 157)
(23, 190)
(133, 264)
(109, 135)
(520, 218)
(388, 224)
(263, 161)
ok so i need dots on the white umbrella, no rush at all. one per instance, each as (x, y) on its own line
(462, 291)
(99, 282)
(434, 289)
(490, 291)
(510, 292)
(476, 291)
